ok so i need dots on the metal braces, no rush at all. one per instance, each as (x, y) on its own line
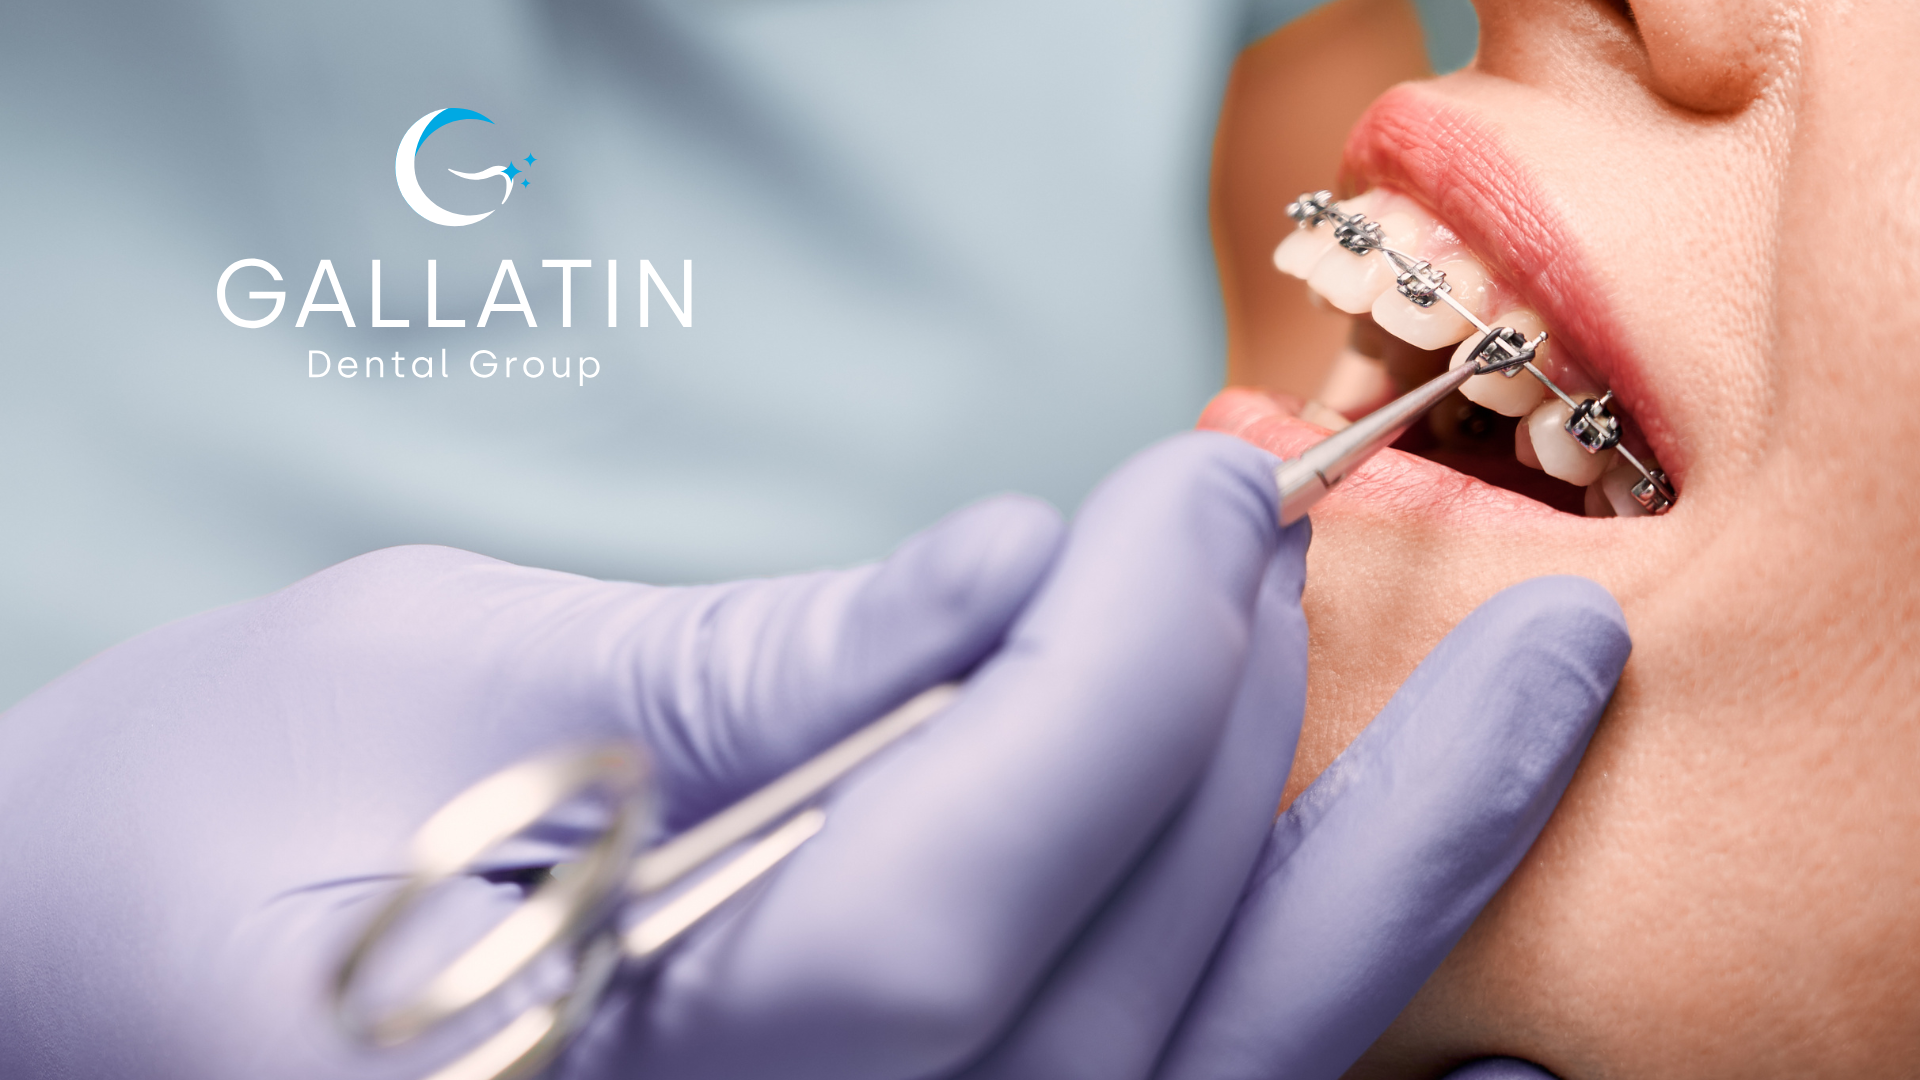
(1593, 423)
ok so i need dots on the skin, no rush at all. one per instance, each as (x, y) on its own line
(1725, 198)
(1267, 143)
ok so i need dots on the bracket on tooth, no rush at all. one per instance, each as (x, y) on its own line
(1519, 351)
(1311, 209)
(1653, 491)
(1593, 425)
(1417, 280)
(1353, 231)
(1358, 235)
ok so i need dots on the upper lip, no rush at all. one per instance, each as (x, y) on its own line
(1455, 160)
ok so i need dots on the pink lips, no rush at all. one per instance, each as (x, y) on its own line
(1457, 164)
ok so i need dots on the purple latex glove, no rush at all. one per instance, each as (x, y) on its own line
(1118, 739)
(1500, 1069)
(194, 823)
(1378, 868)
(1383, 864)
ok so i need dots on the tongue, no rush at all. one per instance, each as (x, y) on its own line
(1479, 442)
(1469, 440)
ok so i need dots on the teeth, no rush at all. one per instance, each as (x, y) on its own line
(1523, 443)
(1357, 384)
(1365, 283)
(1302, 249)
(1353, 282)
(1438, 325)
(1359, 284)
(1516, 396)
(1616, 484)
(1559, 455)
(1313, 412)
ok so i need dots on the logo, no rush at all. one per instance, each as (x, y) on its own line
(506, 280)
(409, 180)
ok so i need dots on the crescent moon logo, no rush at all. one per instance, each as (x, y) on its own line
(409, 180)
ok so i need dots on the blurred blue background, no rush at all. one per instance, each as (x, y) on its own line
(941, 250)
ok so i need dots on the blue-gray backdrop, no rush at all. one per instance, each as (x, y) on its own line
(941, 248)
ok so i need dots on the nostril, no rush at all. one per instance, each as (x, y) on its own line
(1710, 56)
(1704, 56)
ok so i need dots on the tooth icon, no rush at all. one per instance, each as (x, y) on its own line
(498, 170)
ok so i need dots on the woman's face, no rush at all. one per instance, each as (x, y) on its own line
(1714, 205)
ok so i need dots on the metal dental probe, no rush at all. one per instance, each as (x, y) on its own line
(1306, 479)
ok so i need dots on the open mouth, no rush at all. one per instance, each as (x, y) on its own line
(1526, 432)
(1515, 432)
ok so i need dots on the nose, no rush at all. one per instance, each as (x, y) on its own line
(1705, 56)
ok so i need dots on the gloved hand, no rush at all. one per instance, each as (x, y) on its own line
(1116, 739)
(1379, 867)
(1041, 876)
(848, 967)
(194, 822)
(1500, 1069)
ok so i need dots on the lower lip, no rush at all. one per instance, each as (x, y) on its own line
(1391, 480)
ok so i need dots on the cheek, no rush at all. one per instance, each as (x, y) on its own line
(1712, 56)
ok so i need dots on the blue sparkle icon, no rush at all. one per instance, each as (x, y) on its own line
(512, 171)
(524, 183)
(530, 159)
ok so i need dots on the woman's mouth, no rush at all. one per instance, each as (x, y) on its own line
(1509, 431)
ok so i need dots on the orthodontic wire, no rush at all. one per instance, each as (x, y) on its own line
(1592, 424)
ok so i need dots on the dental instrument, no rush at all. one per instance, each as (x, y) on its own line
(614, 907)
(1593, 425)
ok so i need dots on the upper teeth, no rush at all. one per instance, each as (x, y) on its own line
(1436, 326)
(1508, 397)
(1357, 282)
